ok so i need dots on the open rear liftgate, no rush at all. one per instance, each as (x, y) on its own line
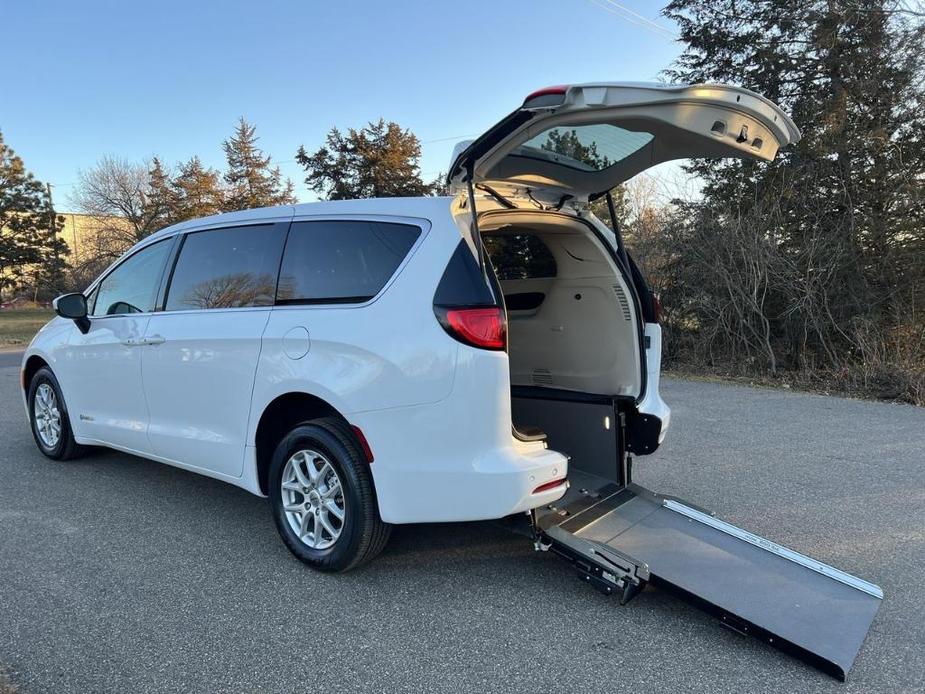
(620, 536)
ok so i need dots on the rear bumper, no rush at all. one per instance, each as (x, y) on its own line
(498, 484)
(457, 460)
(429, 482)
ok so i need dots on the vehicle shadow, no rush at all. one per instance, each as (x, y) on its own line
(189, 501)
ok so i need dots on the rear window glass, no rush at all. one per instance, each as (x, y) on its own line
(227, 268)
(345, 261)
(585, 147)
(519, 256)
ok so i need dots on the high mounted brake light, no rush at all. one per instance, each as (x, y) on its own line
(546, 97)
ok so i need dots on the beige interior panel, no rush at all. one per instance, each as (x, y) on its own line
(583, 337)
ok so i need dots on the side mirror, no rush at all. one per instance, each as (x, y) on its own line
(73, 306)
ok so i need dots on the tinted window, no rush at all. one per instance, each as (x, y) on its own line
(341, 261)
(227, 268)
(519, 256)
(463, 283)
(585, 147)
(132, 286)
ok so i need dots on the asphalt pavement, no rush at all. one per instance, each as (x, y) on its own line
(118, 574)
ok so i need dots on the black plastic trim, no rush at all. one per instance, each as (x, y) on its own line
(524, 301)
(488, 141)
(167, 274)
(462, 283)
(544, 393)
(322, 300)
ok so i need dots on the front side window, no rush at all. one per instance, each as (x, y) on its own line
(132, 286)
(227, 268)
(341, 261)
(519, 256)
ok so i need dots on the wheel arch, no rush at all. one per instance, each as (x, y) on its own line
(29, 369)
(278, 417)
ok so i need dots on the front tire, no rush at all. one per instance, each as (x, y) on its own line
(322, 497)
(51, 426)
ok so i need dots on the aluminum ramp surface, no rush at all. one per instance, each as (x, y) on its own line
(797, 604)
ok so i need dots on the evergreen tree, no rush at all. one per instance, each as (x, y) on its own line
(50, 274)
(843, 211)
(379, 161)
(196, 191)
(252, 181)
(29, 227)
(158, 201)
(568, 144)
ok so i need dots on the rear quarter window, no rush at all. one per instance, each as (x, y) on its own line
(519, 256)
(341, 261)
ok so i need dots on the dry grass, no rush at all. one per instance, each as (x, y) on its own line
(901, 386)
(17, 326)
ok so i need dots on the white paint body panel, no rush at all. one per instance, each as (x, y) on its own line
(101, 377)
(198, 384)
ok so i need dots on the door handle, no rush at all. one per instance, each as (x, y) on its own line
(133, 342)
(154, 340)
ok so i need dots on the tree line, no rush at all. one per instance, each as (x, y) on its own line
(32, 253)
(126, 201)
(811, 268)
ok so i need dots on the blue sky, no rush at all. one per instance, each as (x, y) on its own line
(134, 79)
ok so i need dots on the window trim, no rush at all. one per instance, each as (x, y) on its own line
(181, 242)
(348, 302)
(94, 287)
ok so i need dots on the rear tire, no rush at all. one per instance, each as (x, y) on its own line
(322, 497)
(51, 425)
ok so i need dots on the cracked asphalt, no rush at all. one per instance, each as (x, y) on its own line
(118, 574)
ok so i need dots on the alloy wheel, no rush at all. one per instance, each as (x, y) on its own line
(313, 499)
(47, 415)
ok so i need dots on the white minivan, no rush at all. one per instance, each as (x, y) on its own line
(371, 362)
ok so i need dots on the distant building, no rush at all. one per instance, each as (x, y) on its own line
(91, 241)
(82, 234)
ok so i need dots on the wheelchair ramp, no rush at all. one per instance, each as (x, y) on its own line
(623, 538)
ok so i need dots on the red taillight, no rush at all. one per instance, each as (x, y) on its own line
(548, 96)
(484, 327)
(549, 485)
(657, 308)
(364, 444)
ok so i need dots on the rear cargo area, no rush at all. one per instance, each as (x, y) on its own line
(572, 324)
